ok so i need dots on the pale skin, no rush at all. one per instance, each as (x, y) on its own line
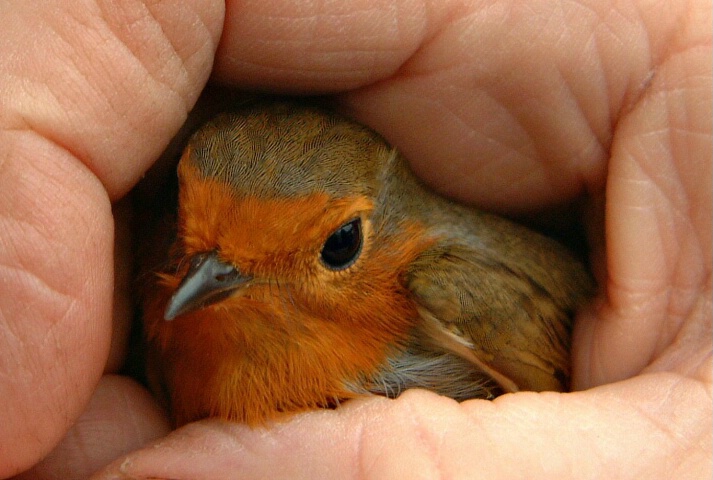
(510, 105)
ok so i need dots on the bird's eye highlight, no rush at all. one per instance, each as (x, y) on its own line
(342, 248)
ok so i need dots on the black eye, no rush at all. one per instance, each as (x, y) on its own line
(343, 247)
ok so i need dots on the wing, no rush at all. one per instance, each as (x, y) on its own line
(502, 297)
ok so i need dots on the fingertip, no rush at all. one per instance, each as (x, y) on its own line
(121, 417)
(115, 91)
(307, 47)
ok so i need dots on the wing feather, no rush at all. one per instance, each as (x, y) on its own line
(506, 303)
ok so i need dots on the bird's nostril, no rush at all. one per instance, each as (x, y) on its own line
(226, 273)
(226, 277)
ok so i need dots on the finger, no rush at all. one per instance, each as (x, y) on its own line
(308, 47)
(616, 431)
(109, 82)
(510, 105)
(657, 307)
(513, 105)
(55, 303)
(91, 92)
(120, 417)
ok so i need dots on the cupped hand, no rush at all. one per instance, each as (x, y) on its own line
(90, 94)
(514, 106)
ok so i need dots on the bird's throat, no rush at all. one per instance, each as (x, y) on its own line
(239, 362)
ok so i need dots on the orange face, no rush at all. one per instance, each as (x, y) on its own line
(309, 320)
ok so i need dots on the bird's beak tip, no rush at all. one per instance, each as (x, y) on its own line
(170, 312)
(209, 280)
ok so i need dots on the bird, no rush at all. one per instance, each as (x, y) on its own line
(308, 266)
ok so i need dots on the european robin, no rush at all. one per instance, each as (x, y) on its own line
(311, 266)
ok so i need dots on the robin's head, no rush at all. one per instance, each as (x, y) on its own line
(288, 254)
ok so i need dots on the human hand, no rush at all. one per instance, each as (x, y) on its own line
(511, 106)
(91, 94)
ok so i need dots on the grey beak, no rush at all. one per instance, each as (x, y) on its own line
(208, 281)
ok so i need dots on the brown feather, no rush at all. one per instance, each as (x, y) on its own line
(441, 296)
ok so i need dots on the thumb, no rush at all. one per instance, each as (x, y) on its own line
(611, 431)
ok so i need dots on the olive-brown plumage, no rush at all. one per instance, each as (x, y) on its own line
(311, 266)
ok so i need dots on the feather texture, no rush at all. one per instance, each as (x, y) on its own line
(441, 296)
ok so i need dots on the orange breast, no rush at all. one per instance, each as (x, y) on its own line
(257, 355)
(299, 336)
